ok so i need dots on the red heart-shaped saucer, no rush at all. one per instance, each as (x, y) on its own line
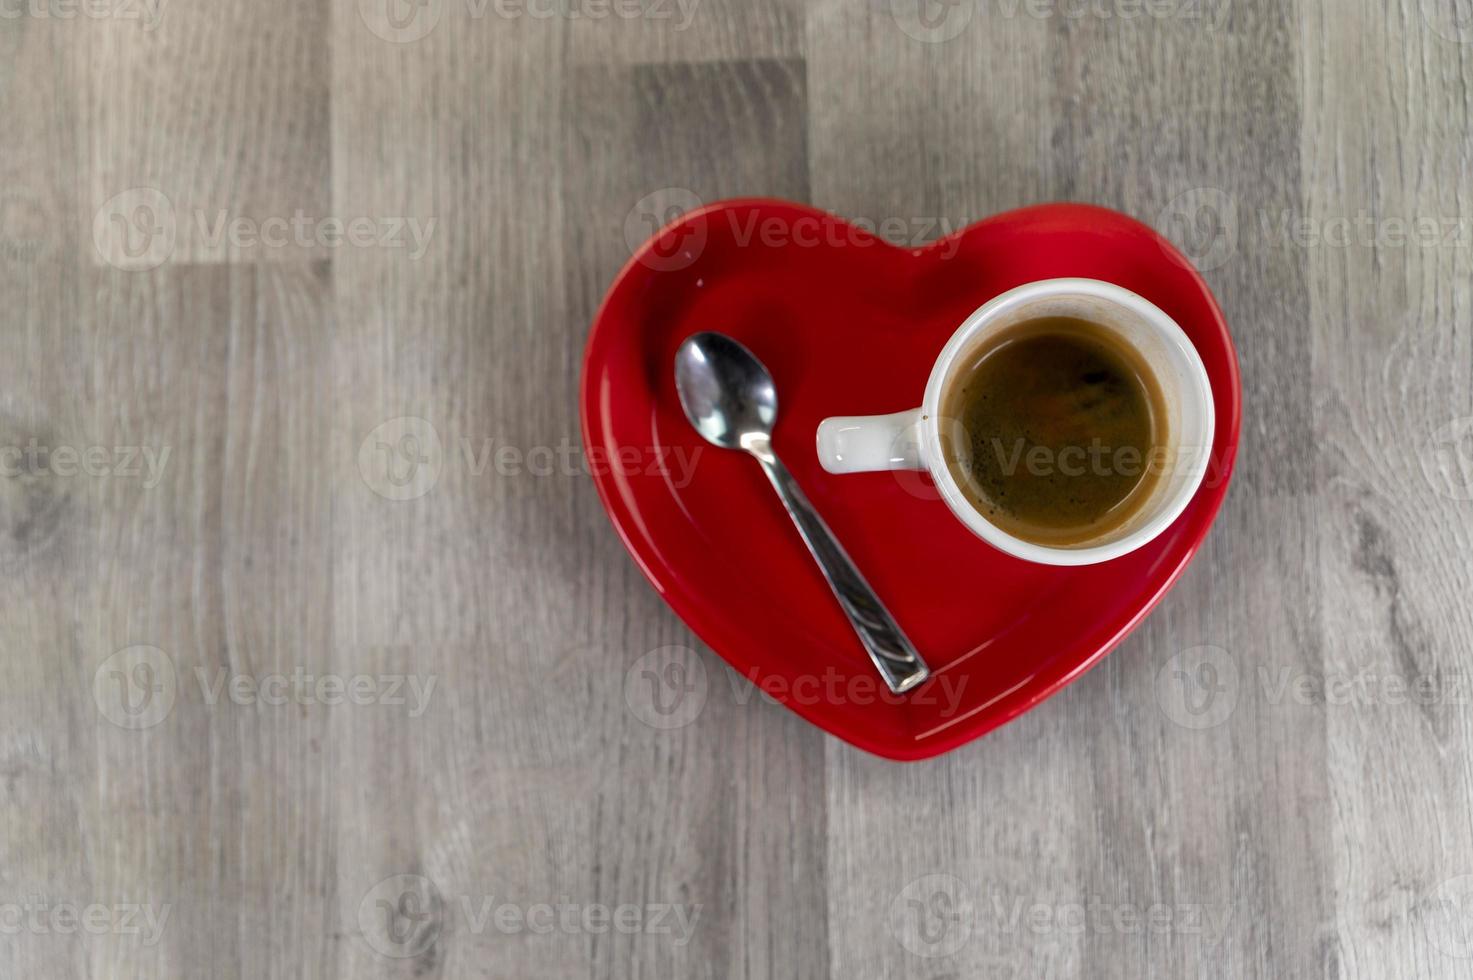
(850, 325)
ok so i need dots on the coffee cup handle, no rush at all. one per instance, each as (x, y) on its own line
(871, 443)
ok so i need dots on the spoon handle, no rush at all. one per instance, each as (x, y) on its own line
(892, 652)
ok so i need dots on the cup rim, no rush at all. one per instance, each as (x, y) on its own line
(951, 492)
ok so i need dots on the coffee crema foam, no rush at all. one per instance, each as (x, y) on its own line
(1055, 430)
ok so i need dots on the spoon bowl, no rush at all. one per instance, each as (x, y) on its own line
(726, 392)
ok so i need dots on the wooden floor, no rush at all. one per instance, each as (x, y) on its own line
(280, 280)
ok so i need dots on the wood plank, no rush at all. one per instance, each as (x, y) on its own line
(217, 118)
(915, 855)
(1105, 811)
(46, 749)
(737, 814)
(438, 581)
(1386, 147)
(1192, 153)
(511, 803)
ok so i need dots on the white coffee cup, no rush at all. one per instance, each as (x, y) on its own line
(911, 440)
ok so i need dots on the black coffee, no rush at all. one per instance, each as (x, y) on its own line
(1054, 430)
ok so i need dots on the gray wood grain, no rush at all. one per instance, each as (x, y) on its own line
(353, 456)
(1391, 375)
